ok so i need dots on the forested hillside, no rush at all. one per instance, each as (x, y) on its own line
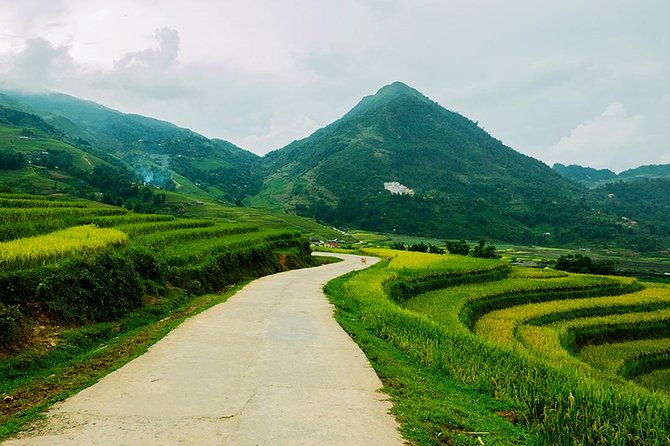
(398, 162)
(159, 153)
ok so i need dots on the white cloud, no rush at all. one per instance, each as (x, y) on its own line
(39, 66)
(614, 139)
(153, 60)
(278, 132)
(152, 73)
(601, 142)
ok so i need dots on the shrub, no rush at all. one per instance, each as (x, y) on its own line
(484, 251)
(397, 246)
(10, 324)
(94, 287)
(460, 248)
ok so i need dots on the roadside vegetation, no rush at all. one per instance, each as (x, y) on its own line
(523, 356)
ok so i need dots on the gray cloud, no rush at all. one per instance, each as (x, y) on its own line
(545, 78)
(152, 73)
(39, 66)
(152, 60)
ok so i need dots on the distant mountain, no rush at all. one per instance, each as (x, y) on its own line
(642, 202)
(653, 171)
(159, 152)
(37, 158)
(399, 162)
(584, 175)
(591, 177)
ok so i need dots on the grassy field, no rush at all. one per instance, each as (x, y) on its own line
(204, 208)
(530, 351)
(471, 350)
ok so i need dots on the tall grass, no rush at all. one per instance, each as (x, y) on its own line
(25, 203)
(196, 251)
(31, 251)
(177, 237)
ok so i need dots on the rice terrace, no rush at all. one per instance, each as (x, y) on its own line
(505, 354)
(362, 223)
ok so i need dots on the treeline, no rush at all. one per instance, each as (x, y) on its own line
(417, 247)
(119, 189)
(577, 263)
(480, 250)
(12, 160)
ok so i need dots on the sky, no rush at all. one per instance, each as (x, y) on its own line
(572, 81)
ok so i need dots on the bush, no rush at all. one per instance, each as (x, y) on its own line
(418, 247)
(484, 251)
(577, 263)
(10, 324)
(94, 287)
(433, 249)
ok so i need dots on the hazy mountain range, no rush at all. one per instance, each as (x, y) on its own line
(397, 162)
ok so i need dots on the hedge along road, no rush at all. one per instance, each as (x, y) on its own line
(270, 366)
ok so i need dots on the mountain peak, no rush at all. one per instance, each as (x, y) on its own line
(385, 94)
(398, 88)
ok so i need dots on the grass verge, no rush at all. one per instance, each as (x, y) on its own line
(431, 409)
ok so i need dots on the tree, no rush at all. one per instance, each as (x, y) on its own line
(11, 160)
(460, 248)
(433, 249)
(418, 247)
(577, 263)
(484, 251)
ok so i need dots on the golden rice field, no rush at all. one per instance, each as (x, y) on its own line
(30, 251)
(34, 229)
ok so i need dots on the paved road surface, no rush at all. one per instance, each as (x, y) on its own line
(268, 367)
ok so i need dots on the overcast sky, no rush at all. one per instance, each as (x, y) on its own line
(571, 81)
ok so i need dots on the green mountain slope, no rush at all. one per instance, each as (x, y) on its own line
(38, 158)
(154, 149)
(35, 158)
(643, 209)
(591, 177)
(653, 171)
(458, 180)
(585, 175)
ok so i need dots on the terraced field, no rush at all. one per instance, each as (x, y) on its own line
(44, 243)
(572, 359)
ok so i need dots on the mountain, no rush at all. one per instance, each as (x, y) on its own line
(36, 157)
(399, 162)
(652, 171)
(640, 203)
(396, 162)
(591, 177)
(584, 175)
(159, 152)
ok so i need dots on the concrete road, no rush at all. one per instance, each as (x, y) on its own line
(268, 367)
